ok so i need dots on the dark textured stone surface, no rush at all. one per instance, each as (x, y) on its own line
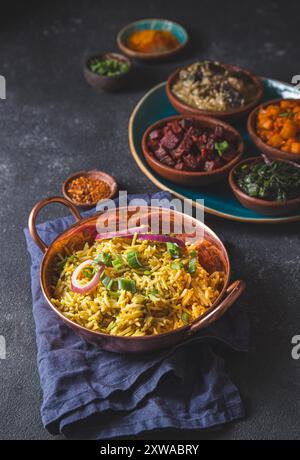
(53, 123)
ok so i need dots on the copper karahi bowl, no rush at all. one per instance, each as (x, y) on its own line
(212, 253)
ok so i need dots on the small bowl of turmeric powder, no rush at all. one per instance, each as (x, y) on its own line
(86, 188)
(152, 39)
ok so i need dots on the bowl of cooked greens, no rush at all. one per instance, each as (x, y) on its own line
(268, 187)
(108, 71)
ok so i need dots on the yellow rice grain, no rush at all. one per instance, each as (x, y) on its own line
(145, 312)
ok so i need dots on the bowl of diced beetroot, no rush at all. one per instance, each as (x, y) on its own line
(192, 151)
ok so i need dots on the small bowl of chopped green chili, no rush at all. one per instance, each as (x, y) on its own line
(107, 71)
(268, 187)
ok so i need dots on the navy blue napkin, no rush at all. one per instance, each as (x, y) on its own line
(94, 394)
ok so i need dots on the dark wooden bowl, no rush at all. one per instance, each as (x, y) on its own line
(101, 175)
(233, 114)
(271, 152)
(113, 83)
(159, 24)
(265, 207)
(191, 178)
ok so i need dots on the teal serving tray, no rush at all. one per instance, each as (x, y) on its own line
(218, 198)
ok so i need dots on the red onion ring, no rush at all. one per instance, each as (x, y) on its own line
(161, 239)
(142, 236)
(122, 234)
(108, 235)
(76, 286)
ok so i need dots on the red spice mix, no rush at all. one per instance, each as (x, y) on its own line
(88, 190)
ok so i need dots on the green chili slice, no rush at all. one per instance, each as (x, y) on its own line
(173, 250)
(117, 263)
(125, 284)
(133, 260)
(192, 265)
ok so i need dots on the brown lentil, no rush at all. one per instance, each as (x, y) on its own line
(88, 190)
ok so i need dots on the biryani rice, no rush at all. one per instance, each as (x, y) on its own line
(166, 298)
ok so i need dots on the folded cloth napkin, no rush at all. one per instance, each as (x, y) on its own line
(94, 394)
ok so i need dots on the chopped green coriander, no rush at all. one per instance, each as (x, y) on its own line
(103, 257)
(285, 114)
(117, 263)
(185, 317)
(61, 263)
(88, 273)
(125, 284)
(221, 147)
(173, 250)
(176, 265)
(153, 295)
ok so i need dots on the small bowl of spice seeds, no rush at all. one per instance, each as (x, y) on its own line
(86, 188)
(107, 71)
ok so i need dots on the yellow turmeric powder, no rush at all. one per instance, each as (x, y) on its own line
(152, 41)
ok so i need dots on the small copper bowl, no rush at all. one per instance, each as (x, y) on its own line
(265, 207)
(191, 178)
(112, 83)
(271, 152)
(107, 178)
(227, 115)
(212, 253)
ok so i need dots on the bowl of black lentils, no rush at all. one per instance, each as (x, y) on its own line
(107, 71)
(269, 187)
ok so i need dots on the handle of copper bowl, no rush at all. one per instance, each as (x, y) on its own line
(36, 209)
(233, 292)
